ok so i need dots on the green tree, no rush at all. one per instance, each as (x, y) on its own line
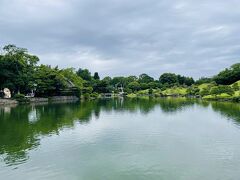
(188, 81)
(96, 76)
(168, 78)
(119, 81)
(204, 92)
(203, 80)
(216, 90)
(108, 79)
(236, 87)
(17, 69)
(150, 91)
(102, 87)
(193, 91)
(72, 78)
(74, 82)
(229, 75)
(84, 74)
(182, 80)
(144, 78)
(131, 79)
(143, 86)
(153, 85)
(134, 86)
(49, 81)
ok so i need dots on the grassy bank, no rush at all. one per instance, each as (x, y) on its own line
(206, 91)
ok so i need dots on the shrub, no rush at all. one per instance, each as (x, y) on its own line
(221, 89)
(204, 92)
(21, 98)
(86, 90)
(94, 95)
(236, 99)
(150, 91)
(86, 96)
(235, 87)
(193, 91)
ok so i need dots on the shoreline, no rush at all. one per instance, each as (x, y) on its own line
(64, 99)
(39, 100)
(234, 100)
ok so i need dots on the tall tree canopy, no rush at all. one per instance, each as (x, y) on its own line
(20, 72)
(84, 74)
(168, 78)
(229, 75)
(144, 78)
(49, 81)
(171, 79)
(96, 76)
(17, 68)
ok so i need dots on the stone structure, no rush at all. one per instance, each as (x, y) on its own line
(7, 93)
(7, 102)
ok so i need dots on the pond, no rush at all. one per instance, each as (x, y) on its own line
(130, 139)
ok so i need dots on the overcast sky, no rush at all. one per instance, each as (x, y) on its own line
(126, 37)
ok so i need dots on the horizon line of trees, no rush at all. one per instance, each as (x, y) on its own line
(20, 72)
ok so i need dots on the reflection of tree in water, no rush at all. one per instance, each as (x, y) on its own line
(129, 104)
(228, 109)
(22, 126)
(170, 105)
(146, 105)
(15, 134)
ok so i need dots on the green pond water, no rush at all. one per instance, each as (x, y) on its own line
(121, 139)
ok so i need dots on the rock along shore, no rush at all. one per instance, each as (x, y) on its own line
(41, 100)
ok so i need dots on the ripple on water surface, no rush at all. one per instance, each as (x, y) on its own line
(131, 139)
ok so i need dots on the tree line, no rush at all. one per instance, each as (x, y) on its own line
(21, 73)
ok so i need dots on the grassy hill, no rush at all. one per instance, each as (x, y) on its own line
(208, 91)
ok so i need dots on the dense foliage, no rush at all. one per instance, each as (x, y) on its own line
(21, 73)
(173, 79)
(229, 75)
(17, 69)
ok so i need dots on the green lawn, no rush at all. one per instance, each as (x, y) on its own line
(175, 91)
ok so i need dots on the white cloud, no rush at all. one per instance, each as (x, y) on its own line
(126, 37)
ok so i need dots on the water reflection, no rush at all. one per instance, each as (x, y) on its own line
(22, 127)
(230, 110)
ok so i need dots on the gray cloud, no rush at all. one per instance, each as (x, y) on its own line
(126, 37)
